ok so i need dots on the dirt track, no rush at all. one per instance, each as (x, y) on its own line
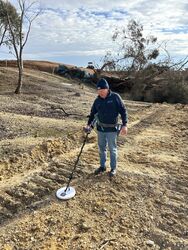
(144, 207)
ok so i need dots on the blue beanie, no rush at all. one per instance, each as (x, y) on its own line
(102, 84)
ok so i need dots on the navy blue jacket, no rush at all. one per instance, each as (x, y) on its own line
(107, 110)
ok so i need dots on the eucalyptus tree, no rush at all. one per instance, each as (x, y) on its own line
(7, 9)
(134, 50)
(15, 26)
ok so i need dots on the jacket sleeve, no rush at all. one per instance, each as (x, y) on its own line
(92, 113)
(122, 110)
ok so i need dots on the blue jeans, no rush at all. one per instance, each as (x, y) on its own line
(110, 139)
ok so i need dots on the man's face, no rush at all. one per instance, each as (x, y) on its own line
(103, 92)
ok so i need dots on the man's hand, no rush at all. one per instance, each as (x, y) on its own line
(123, 130)
(87, 129)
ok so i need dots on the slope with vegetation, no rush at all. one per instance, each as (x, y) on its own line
(143, 207)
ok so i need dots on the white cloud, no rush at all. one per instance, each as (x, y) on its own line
(93, 4)
(84, 28)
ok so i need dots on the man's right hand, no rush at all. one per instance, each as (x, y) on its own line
(87, 129)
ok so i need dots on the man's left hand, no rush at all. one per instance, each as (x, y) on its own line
(123, 130)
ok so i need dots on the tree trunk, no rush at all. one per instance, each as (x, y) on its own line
(20, 69)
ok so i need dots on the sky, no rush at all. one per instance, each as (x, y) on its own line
(78, 31)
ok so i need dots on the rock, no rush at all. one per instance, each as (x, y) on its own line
(51, 233)
(150, 243)
(84, 226)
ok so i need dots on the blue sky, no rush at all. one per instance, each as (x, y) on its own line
(79, 31)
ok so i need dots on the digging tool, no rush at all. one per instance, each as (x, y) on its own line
(66, 193)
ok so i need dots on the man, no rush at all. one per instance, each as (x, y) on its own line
(106, 107)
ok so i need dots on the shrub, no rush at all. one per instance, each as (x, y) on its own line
(172, 88)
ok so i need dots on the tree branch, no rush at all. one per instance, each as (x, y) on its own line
(3, 35)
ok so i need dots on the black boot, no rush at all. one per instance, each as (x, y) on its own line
(100, 170)
(112, 172)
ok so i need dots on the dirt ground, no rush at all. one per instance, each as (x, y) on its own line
(145, 206)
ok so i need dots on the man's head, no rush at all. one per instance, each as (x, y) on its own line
(102, 88)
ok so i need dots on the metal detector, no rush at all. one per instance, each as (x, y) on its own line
(66, 193)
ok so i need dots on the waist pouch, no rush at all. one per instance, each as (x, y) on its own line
(104, 125)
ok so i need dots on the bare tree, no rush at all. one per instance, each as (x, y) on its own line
(17, 37)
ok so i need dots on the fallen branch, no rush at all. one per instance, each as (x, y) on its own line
(105, 242)
(67, 114)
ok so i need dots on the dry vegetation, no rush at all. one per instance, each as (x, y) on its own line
(144, 207)
(171, 86)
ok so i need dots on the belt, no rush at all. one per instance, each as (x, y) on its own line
(104, 125)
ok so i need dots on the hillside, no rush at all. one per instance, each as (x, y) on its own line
(144, 207)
